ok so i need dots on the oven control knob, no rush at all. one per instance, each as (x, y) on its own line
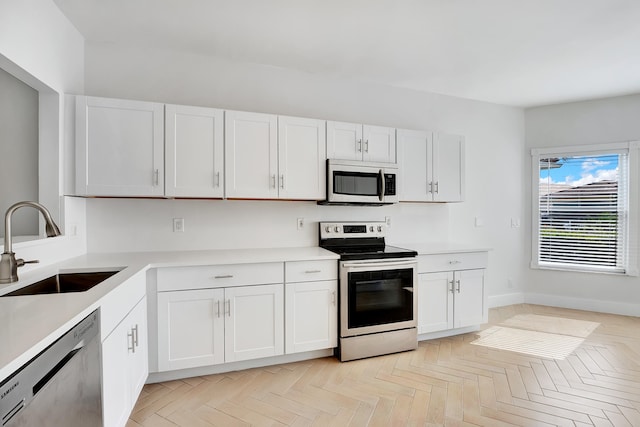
(371, 228)
(327, 229)
(337, 229)
(379, 229)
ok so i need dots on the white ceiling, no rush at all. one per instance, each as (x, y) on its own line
(514, 52)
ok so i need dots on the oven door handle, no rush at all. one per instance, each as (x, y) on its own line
(378, 264)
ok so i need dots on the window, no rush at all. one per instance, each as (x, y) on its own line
(581, 209)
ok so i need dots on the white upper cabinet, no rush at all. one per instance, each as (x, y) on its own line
(270, 157)
(301, 158)
(350, 141)
(194, 147)
(448, 167)
(344, 141)
(251, 155)
(414, 153)
(378, 144)
(119, 147)
(431, 166)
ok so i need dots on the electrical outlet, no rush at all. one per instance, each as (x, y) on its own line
(178, 225)
(300, 223)
(387, 219)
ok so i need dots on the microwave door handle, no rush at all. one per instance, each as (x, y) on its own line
(381, 189)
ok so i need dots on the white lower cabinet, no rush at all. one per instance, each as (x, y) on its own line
(449, 300)
(451, 291)
(311, 316)
(210, 326)
(191, 328)
(124, 366)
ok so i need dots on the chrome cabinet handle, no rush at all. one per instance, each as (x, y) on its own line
(359, 146)
(458, 286)
(217, 179)
(218, 309)
(454, 262)
(431, 187)
(156, 175)
(229, 307)
(366, 146)
(135, 336)
(282, 181)
(333, 298)
(224, 276)
(313, 271)
(273, 181)
(131, 346)
(437, 186)
(451, 289)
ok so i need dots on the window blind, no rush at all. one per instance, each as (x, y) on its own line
(583, 212)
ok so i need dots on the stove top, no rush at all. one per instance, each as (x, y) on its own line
(359, 240)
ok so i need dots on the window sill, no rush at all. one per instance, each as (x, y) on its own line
(592, 270)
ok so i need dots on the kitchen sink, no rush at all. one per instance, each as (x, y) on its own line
(63, 283)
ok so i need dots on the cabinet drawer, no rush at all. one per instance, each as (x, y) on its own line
(217, 276)
(452, 261)
(309, 271)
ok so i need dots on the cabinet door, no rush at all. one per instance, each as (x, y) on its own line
(251, 155)
(448, 168)
(116, 393)
(138, 356)
(311, 316)
(254, 322)
(301, 158)
(119, 147)
(378, 144)
(190, 328)
(414, 148)
(435, 302)
(344, 141)
(469, 298)
(194, 151)
(124, 366)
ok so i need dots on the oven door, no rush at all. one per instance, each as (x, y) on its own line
(377, 296)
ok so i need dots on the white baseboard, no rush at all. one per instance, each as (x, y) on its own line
(505, 299)
(613, 307)
(156, 377)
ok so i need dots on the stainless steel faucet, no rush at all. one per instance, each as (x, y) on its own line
(8, 263)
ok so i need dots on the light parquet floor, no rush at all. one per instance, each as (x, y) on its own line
(446, 382)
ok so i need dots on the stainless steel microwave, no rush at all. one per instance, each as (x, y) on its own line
(352, 182)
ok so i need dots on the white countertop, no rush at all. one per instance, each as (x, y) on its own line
(441, 247)
(28, 324)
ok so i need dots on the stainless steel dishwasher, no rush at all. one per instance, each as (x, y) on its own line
(61, 385)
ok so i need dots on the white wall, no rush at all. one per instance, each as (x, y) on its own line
(580, 123)
(43, 49)
(494, 141)
(18, 151)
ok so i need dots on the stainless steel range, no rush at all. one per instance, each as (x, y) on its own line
(376, 299)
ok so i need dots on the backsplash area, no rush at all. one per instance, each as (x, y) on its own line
(147, 224)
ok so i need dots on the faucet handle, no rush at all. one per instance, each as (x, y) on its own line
(20, 262)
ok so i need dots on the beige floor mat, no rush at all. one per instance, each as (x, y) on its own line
(552, 325)
(542, 336)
